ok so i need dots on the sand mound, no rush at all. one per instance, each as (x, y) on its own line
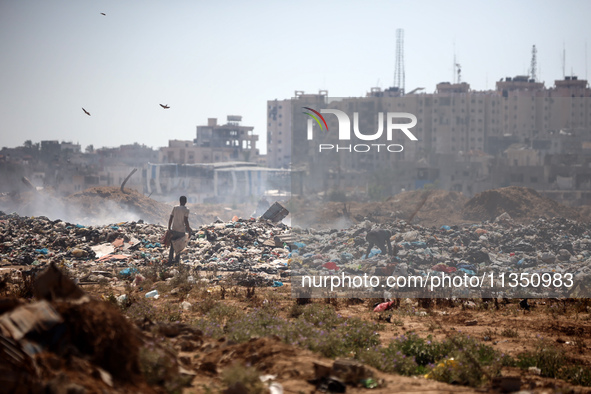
(426, 207)
(430, 207)
(108, 204)
(521, 203)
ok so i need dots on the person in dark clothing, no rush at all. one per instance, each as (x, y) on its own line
(379, 238)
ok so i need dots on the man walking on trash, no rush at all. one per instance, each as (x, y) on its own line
(177, 224)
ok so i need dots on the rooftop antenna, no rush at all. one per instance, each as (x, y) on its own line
(533, 66)
(453, 73)
(459, 72)
(563, 60)
(399, 68)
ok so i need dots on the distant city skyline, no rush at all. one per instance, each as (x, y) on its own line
(213, 59)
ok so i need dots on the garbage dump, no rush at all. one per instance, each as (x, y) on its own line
(491, 259)
(64, 338)
(114, 252)
(552, 256)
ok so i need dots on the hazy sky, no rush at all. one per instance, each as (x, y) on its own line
(214, 58)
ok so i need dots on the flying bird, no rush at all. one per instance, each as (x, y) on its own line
(165, 106)
(103, 14)
(86, 112)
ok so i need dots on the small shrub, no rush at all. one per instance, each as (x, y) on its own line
(319, 314)
(239, 378)
(576, 374)
(547, 357)
(140, 310)
(205, 305)
(296, 310)
(159, 366)
(169, 312)
(388, 359)
(424, 351)
(510, 333)
(489, 334)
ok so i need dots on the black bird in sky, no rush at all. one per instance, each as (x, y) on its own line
(165, 106)
(86, 112)
(103, 14)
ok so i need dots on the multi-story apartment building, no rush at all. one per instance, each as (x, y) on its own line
(467, 140)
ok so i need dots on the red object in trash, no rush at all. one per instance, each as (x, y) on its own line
(384, 306)
(444, 268)
(331, 265)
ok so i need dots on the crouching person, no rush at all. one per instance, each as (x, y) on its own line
(381, 239)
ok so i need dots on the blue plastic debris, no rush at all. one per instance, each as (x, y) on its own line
(466, 266)
(346, 256)
(299, 245)
(128, 271)
(445, 227)
(467, 271)
(42, 251)
(374, 252)
(277, 283)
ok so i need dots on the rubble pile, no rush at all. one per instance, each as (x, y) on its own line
(65, 341)
(520, 203)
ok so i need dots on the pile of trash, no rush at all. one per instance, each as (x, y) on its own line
(271, 252)
(116, 252)
(492, 251)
